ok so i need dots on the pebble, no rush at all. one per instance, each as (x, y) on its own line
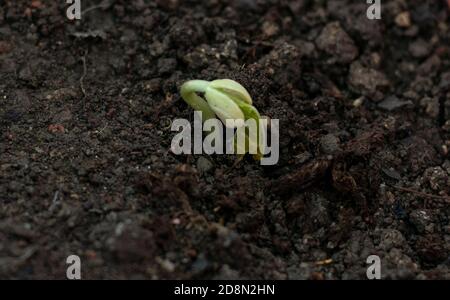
(437, 178)
(420, 48)
(393, 102)
(56, 128)
(432, 107)
(369, 82)
(152, 85)
(358, 102)
(336, 42)
(204, 165)
(166, 265)
(421, 220)
(329, 144)
(392, 173)
(270, 29)
(403, 19)
(392, 238)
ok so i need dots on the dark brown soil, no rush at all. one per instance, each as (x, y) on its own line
(85, 161)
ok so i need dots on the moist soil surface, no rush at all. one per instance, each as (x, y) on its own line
(85, 123)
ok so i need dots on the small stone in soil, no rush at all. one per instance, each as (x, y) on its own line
(329, 144)
(369, 82)
(419, 48)
(336, 42)
(392, 102)
(403, 19)
(204, 165)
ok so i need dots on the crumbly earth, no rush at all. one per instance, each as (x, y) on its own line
(85, 161)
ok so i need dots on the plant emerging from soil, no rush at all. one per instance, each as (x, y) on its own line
(228, 100)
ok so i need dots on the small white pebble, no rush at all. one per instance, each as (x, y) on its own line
(358, 102)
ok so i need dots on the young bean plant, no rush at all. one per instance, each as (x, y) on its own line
(228, 100)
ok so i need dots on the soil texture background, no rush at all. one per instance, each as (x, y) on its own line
(86, 168)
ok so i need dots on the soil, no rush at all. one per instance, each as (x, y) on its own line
(86, 166)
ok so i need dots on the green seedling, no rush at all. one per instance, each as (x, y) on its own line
(227, 100)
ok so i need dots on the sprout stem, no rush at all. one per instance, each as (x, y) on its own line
(189, 94)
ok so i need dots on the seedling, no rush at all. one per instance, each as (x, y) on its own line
(231, 103)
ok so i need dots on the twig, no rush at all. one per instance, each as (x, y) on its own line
(103, 4)
(83, 59)
(424, 195)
